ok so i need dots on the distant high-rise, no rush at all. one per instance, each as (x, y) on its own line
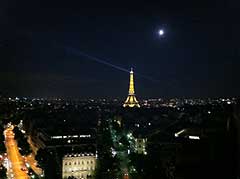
(131, 100)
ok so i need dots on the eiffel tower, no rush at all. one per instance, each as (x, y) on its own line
(131, 100)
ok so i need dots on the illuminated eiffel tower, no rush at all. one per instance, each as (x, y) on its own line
(131, 100)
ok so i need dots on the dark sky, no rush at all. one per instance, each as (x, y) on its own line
(198, 56)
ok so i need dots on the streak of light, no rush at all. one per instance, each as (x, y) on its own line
(178, 133)
(79, 53)
(101, 61)
(194, 137)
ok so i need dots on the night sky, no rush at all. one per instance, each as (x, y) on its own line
(198, 56)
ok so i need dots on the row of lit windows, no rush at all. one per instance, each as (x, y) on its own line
(75, 163)
(79, 169)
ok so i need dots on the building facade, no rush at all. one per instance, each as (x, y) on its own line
(140, 145)
(80, 166)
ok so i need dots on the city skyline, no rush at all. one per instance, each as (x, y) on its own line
(196, 56)
(119, 90)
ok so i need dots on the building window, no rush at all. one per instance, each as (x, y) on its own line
(91, 162)
(87, 162)
(75, 163)
(69, 163)
(83, 162)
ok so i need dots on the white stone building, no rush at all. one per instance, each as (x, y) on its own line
(81, 166)
(140, 145)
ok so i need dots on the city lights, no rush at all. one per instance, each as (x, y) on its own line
(194, 137)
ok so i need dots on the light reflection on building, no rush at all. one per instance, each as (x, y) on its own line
(80, 166)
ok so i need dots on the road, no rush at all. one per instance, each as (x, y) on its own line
(33, 164)
(121, 153)
(14, 157)
(31, 158)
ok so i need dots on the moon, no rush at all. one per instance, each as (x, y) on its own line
(160, 32)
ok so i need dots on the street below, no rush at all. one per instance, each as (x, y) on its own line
(16, 163)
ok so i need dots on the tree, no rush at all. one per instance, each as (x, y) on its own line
(2, 145)
(3, 172)
(25, 147)
(22, 142)
(47, 162)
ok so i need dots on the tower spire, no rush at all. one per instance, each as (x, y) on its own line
(131, 100)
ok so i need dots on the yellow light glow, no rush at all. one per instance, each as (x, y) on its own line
(131, 100)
